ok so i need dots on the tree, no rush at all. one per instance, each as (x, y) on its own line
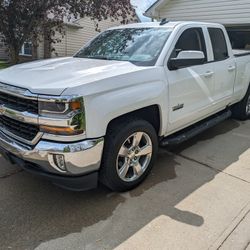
(27, 20)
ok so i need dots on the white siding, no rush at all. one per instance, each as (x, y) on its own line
(40, 49)
(3, 52)
(221, 11)
(75, 38)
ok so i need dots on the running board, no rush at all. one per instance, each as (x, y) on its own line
(196, 129)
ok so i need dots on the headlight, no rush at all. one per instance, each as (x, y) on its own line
(70, 111)
(52, 108)
(60, 107)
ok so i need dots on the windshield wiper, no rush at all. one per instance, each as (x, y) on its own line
(100, 57)
(95, 57)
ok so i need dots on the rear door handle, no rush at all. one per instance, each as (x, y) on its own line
(231, 68)
(209, 74)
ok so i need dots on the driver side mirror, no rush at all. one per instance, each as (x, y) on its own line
(186, 59)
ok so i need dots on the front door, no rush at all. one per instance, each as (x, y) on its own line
(190, 88)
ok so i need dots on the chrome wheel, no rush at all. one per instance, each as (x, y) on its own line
(248, 106)
(134, 157)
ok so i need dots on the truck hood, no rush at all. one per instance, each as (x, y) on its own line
(54, 76)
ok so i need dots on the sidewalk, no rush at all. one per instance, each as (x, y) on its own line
(223, 203)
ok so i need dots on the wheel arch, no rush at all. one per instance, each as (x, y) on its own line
(151, 114)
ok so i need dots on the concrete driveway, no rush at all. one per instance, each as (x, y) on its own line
(197, 197)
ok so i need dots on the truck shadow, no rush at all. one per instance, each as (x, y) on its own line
(33, 211)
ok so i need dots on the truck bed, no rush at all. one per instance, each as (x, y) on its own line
(239, 53)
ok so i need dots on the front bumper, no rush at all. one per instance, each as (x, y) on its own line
(81, 158)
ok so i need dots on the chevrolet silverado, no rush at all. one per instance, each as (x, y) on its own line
(101, 115)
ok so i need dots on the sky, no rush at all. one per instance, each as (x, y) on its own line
(141, 7)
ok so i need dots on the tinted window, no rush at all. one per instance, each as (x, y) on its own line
(141, 46)
(191, 39)
(219, 44)
(240, 39)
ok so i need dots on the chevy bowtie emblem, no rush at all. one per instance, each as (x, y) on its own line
(2, 110)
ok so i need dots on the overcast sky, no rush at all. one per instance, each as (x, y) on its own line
(141, 6)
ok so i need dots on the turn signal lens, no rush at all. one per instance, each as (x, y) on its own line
(60, 130)
(75, 105)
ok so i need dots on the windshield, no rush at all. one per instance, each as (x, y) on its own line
(141, 46)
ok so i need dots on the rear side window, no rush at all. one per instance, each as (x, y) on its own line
(219, 44)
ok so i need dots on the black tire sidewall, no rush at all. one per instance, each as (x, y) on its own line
(247, 99)
(239, 110)
(111, 149)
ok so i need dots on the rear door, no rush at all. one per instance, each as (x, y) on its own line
(224, 68)
(190, 88)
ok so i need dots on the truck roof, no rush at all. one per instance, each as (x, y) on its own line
(168, 25)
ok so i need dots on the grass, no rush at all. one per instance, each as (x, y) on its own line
(3, 65)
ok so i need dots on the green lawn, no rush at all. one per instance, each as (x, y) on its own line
(3, 65)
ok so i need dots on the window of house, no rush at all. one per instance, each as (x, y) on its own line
(219, 44)
(26, 49)
(191, 39)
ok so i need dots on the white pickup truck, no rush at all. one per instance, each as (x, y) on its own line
(100, 116)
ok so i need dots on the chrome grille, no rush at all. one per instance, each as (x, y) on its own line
(18, 103)
(17, 106)
(23, 130)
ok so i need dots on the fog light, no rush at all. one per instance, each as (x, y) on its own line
(60, 162)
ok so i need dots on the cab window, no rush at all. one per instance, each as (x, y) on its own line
(219, 44)
(191, 39)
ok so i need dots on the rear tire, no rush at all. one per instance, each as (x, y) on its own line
(241, 110)
(130, 150)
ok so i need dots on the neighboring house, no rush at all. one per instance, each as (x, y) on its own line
(77, 34)
(233, 14)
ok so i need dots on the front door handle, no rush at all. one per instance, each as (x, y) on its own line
(209, 74)
(231, 68)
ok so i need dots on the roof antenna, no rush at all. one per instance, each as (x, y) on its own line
(164, 21)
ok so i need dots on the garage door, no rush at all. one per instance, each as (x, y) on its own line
(239, 37)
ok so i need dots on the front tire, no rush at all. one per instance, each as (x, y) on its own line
(241, 110)
(130, 150)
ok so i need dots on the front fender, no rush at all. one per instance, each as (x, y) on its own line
(104, 107)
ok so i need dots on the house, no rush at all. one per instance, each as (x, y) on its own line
(77, 33)
(233, 14)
